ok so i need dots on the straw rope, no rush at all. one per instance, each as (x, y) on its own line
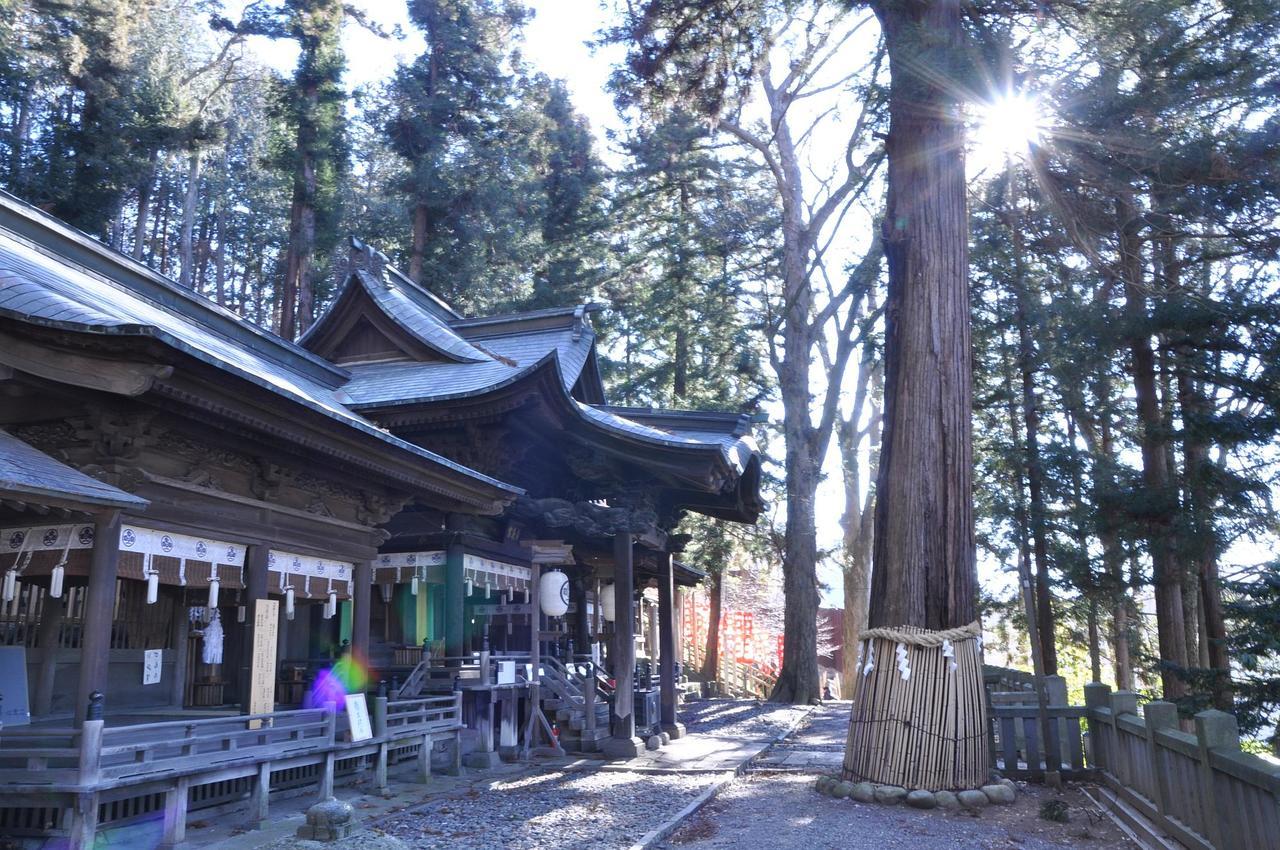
(923, 637)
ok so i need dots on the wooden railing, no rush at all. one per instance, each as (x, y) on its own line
(1199, 788)
(745, 679)
(79, 770)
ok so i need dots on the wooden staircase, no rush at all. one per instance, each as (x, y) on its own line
(565, 698)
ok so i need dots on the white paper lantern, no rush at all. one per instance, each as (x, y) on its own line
(607, 602)
(288, 602)
(386, 591)
(153, 587)
(413, 584)
(55, 581)
(10, 585)
(553, 591)
(213, 592)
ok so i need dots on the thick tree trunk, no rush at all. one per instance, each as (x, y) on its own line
(418, 251)
(1203, 545)
(715, 600)
(187, 278)
(1159, 500)
(924, 572)
(1034, 467)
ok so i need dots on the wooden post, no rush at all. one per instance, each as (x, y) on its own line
(424, 758)
(326, 769)
(95, 645)
(181, 633)
(380, 732)
(175, 813)
(455, 750)
(361, 600)
(667, 646)
(455, 594)
(50, 628)
(84, 817)
(255, 571)
(1052, 774)
(535, 659)
(623, 743)
(261, 796)
(1158, 715)
(1097, 696)
(1217, 729)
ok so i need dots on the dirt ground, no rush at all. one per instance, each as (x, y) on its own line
(782, 810)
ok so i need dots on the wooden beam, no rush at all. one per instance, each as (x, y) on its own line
(99, 606)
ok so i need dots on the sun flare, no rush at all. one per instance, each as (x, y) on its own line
(1008, 126)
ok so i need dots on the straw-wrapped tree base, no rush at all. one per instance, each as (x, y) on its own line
(919, 714)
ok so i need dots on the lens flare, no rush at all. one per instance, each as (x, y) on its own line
(349, 675)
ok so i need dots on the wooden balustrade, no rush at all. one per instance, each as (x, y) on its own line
(78, 769)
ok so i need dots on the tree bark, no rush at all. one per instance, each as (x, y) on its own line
(1159, 501)
(186, 277)
(924, 571)
(715, 600)
(419, 248)
(924, 562)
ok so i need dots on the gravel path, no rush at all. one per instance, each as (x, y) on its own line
(783, 812)
(551, 809)
(739, 718)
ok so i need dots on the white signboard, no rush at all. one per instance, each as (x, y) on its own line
(262, 672)
(152, 661)
(358, 716)
(14, 710)
(506, 672)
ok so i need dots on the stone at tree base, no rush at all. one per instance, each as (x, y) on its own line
(921, 800)
(1008, 783)
(947, 799)
(842, 790)
(864, 792)
(328, 821)
(972, 799)
(890, 795)
(666, 738)
(998, 793)
(654, 742)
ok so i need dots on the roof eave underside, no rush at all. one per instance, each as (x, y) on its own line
(491, 489)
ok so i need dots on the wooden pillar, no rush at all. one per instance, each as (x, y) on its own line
(361, 600)
(582, 626)
(455, 594)
(255, 587)
(623, 743)
(667, 646)
(95, 644)
(180, 634)
(50, 629)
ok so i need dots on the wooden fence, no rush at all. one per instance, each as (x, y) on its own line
(68, 781)
(1199, 788)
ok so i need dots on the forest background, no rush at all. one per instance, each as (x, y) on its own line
(724, 203)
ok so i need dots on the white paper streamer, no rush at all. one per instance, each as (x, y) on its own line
(948, 651)
(904, 666)
(871, 660)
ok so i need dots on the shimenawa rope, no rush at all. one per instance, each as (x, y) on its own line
(923, 637)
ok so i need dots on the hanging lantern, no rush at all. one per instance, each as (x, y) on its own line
(413, 584)
(386, 591)
(288, 602)
(214, 584)
(55, 581)
(153, 587)
(553, 591)
(10, 585)
(330, 605)
(241, 613)
(607, 602)
(469, 586)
